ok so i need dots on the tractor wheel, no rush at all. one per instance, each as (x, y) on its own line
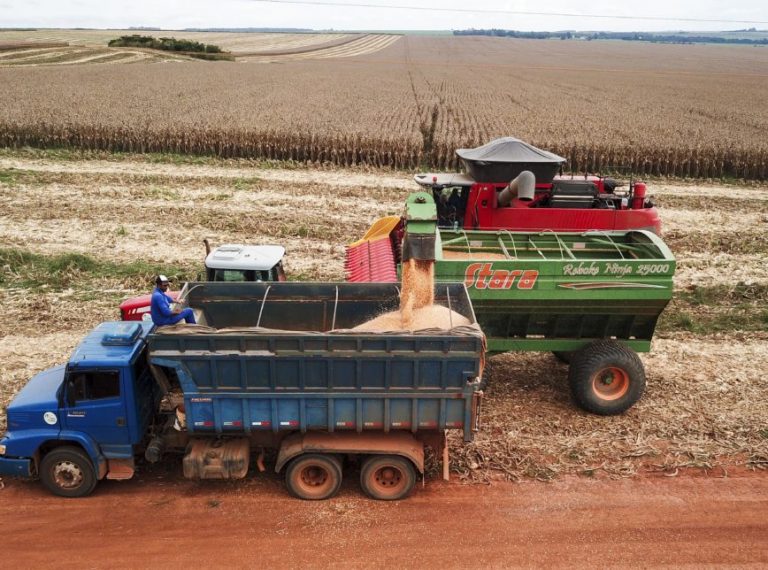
(68, 472)
(563, 356)
(606, 378)
(313, 477)
(387, 477)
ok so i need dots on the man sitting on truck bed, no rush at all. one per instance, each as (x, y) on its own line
(162, 313)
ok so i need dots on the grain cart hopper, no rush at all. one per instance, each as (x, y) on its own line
(228, 262)
(511, 185)
(274, 366)
(590, 297)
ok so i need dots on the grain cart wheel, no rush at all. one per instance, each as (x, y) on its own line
(563, 355)
(606, 378)
(68, 472)
(387, 477)
(313, 477)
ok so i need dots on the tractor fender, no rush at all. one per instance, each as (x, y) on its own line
(394, 443)
(89, 446)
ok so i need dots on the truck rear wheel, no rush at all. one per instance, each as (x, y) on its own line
(606, 378)
(68, 472)
(313, 477)
(387, 477)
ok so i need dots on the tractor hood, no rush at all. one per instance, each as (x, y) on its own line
(245, 257)
(37, 405)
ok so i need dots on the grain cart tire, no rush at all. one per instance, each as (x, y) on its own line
(606, 378)
(387, 477)
(68, 472)
(313, 477)
(563, 356)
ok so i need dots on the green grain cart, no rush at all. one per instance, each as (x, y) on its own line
(592, 298)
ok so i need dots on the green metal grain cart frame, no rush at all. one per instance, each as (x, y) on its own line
(592, 298)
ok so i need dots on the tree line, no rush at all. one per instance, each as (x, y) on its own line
(626, 36)
(167, 44)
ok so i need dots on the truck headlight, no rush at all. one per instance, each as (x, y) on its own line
(2, 450)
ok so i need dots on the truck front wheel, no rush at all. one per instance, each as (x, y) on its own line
(606, 378)
(68, 472)
(313, 477)
(387, 477)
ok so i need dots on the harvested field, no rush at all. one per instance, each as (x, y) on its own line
(39, 47)
(705, 407)
(229, 41)
(405, 101)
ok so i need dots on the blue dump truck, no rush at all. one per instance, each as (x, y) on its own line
(269, 366)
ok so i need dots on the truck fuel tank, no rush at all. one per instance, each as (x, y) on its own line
(217, 458)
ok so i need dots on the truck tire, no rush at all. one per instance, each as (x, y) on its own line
(313, 477)
(606, 378)
(68, 472)
(387, 477)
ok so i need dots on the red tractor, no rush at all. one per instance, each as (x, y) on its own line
(537, 198)
(228, 262)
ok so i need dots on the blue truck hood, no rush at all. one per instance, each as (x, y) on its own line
(37, 404)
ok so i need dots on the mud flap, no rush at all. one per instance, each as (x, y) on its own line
(120, 469)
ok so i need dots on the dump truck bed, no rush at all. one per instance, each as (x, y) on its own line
(558, 291)
(281, 357)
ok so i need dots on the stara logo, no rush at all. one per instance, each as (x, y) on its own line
(483, 276)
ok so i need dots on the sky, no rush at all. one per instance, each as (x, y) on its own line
(527, 15)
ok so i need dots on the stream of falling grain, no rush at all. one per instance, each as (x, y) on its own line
(417, 304)
(418, 289)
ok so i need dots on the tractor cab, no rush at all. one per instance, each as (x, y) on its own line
(228, 262)
(234, 262)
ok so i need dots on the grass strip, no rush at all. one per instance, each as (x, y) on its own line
(23, 269)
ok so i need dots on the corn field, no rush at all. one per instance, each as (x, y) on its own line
(696, 111)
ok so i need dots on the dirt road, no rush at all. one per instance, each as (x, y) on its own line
(161, 521)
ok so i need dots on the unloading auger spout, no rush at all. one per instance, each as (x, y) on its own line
(420, 239)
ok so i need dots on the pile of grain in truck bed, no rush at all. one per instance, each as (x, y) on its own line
(431, 317)
(417, 308)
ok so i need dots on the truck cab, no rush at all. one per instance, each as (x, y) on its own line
(228, 262)
(75, 424)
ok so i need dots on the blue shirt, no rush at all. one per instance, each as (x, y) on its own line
(160, 308)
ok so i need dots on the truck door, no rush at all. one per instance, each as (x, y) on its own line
(94, 404)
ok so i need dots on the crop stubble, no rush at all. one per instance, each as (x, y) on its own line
(705, 405)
